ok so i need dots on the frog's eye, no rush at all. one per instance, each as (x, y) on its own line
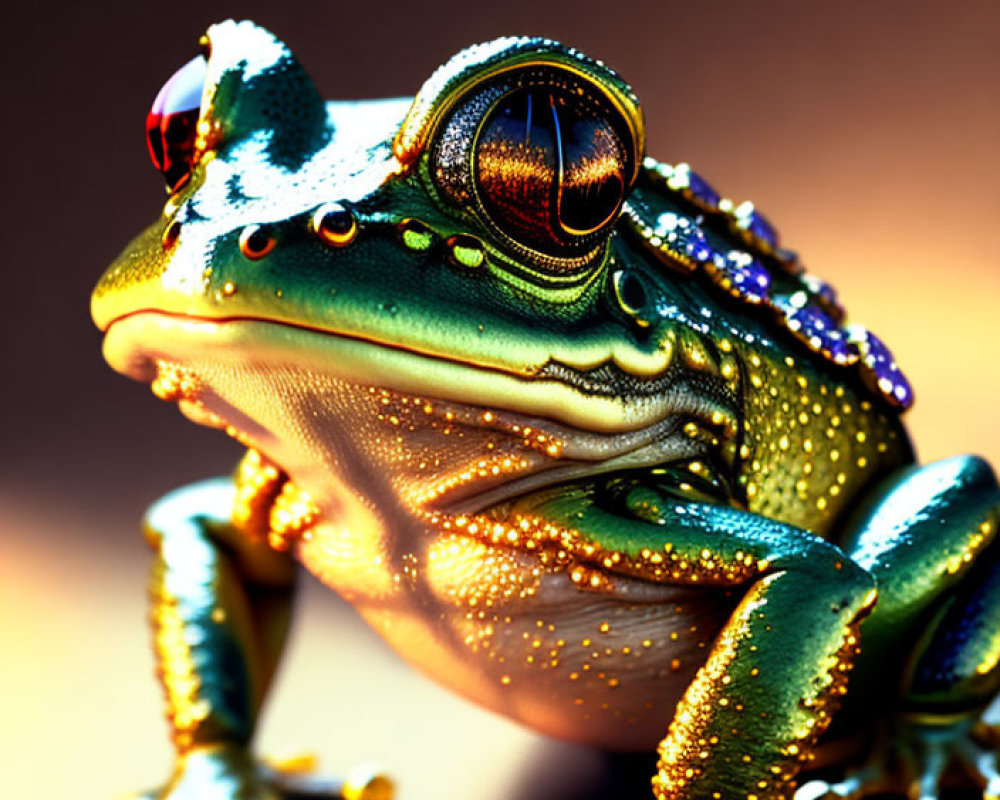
(172, 123)
(550, 170)
(544, 154)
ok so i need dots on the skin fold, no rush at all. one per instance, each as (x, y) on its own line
(574, 434)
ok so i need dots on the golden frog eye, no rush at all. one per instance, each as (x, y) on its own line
(550, 169)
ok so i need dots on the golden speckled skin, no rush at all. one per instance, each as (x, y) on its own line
(813, 444)
(563, 465)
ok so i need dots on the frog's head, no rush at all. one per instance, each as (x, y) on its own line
(418, 301)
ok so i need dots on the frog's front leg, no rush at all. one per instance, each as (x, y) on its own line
(221, 606)
(753, 712)
(930, 649)
(221, 603)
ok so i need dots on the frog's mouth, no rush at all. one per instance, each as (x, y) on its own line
(135, 342)
(252, 376)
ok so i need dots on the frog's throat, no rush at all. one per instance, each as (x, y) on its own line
(136, 343)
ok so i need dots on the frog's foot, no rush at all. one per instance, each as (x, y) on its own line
(221, 773)
(912, 765)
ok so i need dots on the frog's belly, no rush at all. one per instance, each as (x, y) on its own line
(604, 668)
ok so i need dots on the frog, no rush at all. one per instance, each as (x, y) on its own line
(574, 433)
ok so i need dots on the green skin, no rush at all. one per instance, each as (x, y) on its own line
(729, 505)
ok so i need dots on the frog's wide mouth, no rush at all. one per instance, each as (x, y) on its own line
(137, 342)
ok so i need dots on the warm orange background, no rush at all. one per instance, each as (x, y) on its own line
(868, 131)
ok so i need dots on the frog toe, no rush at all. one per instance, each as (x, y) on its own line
(918, 763)
(892, 769)
(152, 794)
(822, 790)
(855, 785)
(362, 783)
(959, 757)
(982, 762)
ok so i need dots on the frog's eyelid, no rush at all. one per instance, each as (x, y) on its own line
(475, 65)
(255, 83)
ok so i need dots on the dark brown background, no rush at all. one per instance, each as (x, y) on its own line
(868, 131)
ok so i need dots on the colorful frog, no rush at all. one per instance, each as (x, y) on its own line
(571, 431)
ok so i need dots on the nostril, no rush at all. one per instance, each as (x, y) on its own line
(629, 292)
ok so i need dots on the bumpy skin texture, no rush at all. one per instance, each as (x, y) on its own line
(575, 435)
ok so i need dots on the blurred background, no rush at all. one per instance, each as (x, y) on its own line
(867, 131)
